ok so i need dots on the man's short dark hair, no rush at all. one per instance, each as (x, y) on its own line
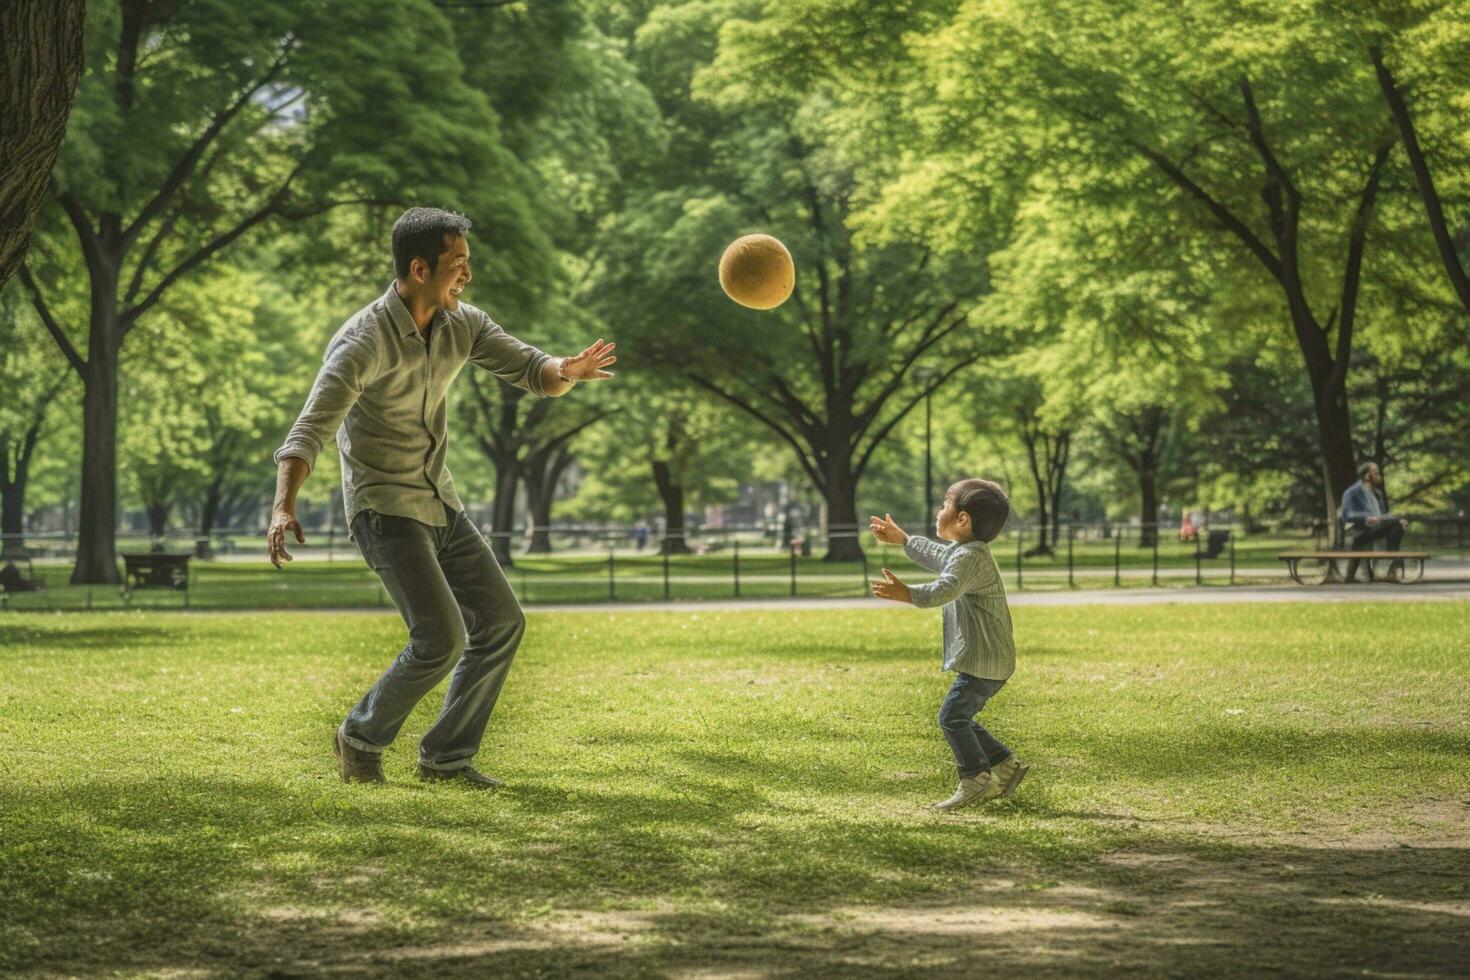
(422, 233)
(987, 505)
(1364, 467)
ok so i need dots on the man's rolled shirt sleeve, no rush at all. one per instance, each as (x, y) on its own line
(512, 361)
(349, 366)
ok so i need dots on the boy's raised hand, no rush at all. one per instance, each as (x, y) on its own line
(892, 588)
(886, 531)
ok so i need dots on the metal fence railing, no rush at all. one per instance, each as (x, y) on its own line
(583, 563)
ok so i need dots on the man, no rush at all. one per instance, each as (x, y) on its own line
(382, 390)
(1365, 514)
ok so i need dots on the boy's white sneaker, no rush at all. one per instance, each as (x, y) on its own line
(972, 789)
(1009, 775)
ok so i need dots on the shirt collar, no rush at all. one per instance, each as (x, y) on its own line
(402, 319)
(398, 312)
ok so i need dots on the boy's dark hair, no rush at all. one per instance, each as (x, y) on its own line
(987, 505)
(420, 233)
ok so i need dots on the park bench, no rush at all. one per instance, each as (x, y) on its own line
(1321, 567)
(156, 570)
(1215, 544)
(12, 581)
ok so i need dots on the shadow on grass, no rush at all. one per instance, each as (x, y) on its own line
(150, 877)
(60, 635)
(1214, 750)
(730, 862)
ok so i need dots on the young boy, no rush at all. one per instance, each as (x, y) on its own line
(978, 644)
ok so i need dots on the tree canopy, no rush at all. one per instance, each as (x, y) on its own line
(1127, 255)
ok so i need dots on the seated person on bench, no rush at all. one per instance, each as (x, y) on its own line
(11, 580)
(1365, 512)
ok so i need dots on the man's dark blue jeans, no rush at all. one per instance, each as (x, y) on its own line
(461, 617)
(975, 749)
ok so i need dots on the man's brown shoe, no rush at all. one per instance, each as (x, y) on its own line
(356, 765)
(467, 776)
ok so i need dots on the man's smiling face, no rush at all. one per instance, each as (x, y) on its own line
(451, 273)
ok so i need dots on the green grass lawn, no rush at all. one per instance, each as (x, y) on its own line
(1215, 789)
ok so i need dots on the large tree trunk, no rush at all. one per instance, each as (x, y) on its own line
(503, 512)
(223, 460)
(1031, 435)
(1326, 362)
(13, 492)
(1140, 449)
(1148, 504)
(158, 521)
(233, 504)
(1334, 434)
(538, 507)
(96, 541)
(1043, 522)
(40, 62)
(209, 510)
(672, 493)
(496, 425)
(542, 471)
(1059, 451)
(840, 492)
(12, 518)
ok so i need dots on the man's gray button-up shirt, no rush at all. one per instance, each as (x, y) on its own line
(383, 389)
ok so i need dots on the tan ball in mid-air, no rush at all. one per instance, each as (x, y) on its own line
(757, 271)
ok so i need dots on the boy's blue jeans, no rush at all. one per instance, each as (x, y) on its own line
(975, 749)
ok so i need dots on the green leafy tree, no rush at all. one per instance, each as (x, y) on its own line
(1414, 407)
(200, 123)
(31, 378)
(677, 450)
(573, 108)
(832, 372)
(203, 409)
(1126, 353)
(1259, 452)
(1419, 54)
(526, 441)
(1271, 143)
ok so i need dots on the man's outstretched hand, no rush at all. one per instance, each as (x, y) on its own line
(275, 538)
(892, 588)
(589, 365)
